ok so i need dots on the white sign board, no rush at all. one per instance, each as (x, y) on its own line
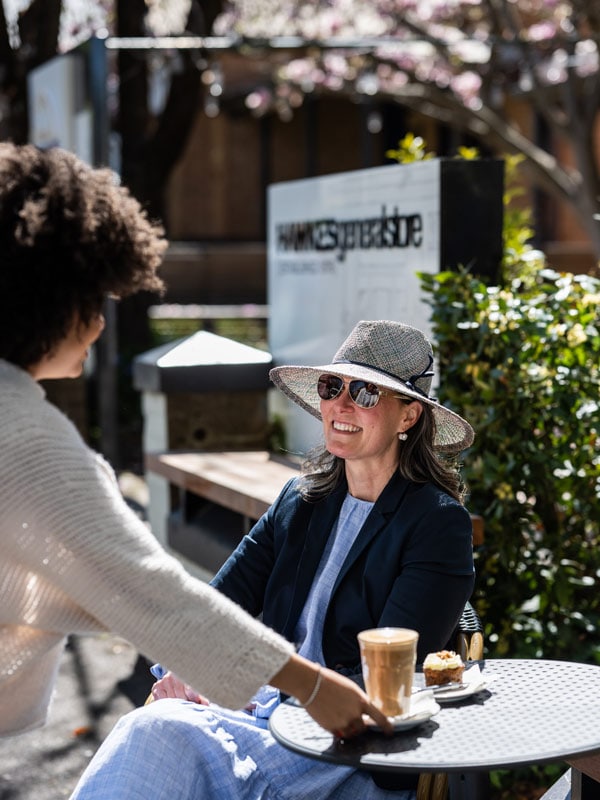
(58, 116)
(342, 248)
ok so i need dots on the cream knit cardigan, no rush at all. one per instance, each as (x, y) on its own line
(74, 558)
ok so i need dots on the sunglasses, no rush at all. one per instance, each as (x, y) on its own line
(363, 393)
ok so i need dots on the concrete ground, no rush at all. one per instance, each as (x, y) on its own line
(100, 679)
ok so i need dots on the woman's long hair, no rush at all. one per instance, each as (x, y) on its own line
(323, 472)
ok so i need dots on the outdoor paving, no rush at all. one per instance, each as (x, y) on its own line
(97, 683)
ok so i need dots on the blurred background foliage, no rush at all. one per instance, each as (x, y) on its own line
(521, 360)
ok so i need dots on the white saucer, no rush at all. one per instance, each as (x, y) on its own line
(422, 708)
(476, 682)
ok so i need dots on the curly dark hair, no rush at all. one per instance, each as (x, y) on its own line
(69, 237)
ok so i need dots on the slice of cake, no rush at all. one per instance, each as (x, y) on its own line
(444, 666)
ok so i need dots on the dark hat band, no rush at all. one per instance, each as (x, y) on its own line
(410, 383)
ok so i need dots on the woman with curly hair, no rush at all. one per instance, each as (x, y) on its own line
(74, 558)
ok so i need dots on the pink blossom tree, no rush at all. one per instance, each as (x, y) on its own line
(462, 62)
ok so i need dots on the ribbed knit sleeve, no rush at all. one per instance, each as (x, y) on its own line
(76, 558)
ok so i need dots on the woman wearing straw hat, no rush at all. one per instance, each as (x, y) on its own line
(373, 533)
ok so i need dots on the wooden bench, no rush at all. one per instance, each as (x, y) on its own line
(245, 482)
(222, 494)
(573, 785)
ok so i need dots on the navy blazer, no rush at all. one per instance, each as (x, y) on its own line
(410, 566)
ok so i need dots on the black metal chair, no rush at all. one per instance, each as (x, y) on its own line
(468, 636)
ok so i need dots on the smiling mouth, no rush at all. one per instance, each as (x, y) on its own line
(344, 426)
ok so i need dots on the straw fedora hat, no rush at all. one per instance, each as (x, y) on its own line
(390, 354)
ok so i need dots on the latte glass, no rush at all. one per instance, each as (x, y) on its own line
(388, 657)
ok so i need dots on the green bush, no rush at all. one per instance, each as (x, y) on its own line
(522, 362)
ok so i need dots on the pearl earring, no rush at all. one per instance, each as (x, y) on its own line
(403, 436)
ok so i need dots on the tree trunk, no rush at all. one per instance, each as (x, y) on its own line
(38, 27)
(149, 149)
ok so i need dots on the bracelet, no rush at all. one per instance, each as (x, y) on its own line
(315, 691)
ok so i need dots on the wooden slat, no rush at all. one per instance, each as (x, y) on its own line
(478, 529)
(589, 765)
(245, 482)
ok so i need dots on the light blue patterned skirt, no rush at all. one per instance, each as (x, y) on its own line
(177, 750)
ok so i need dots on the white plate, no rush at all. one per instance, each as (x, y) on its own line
(459, 694)
(476, 682)
(422, 709)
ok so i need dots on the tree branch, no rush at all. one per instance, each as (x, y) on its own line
(39, 25)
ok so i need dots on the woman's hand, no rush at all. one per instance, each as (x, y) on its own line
(338, 705)
(171, 686)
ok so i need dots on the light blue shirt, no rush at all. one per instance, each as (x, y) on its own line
(309, 630)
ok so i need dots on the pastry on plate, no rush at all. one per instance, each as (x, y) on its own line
(445, 666)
